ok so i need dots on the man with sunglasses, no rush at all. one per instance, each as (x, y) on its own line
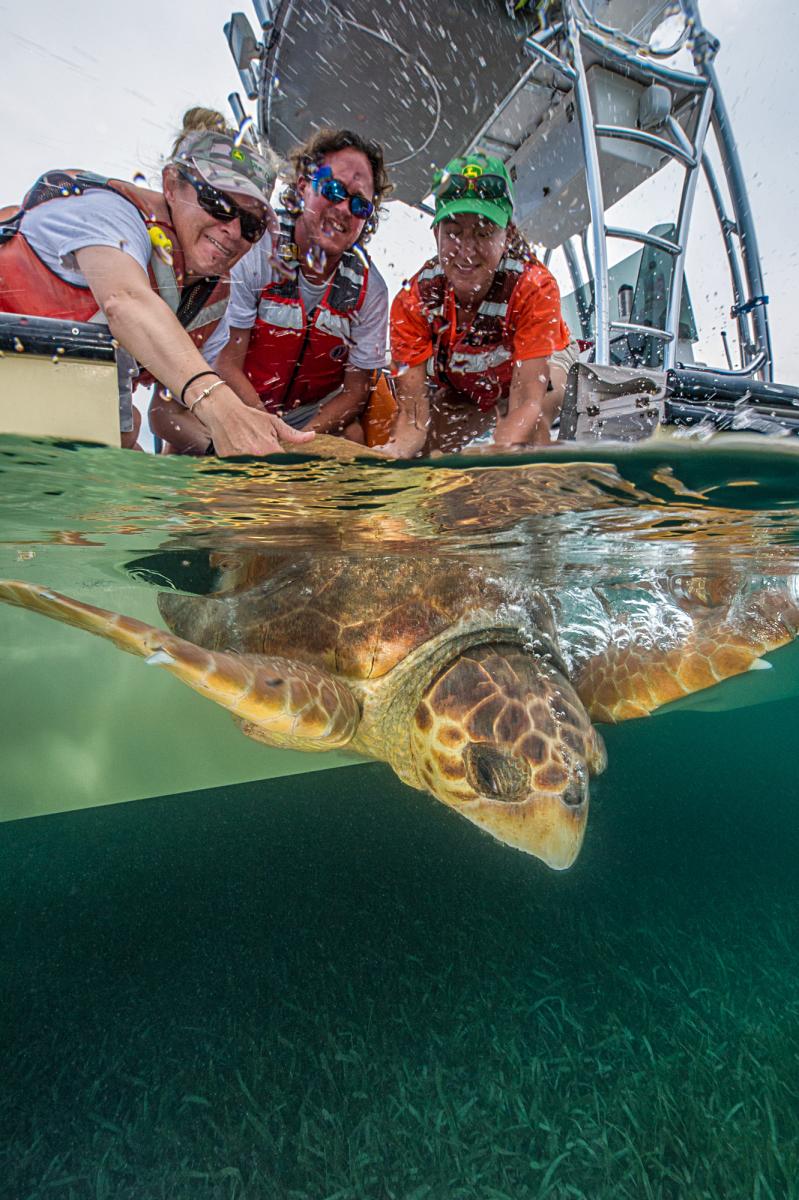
(155, 266)
(473, 334)
(305, 341)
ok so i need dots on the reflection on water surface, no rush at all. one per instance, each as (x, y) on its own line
(627, 527)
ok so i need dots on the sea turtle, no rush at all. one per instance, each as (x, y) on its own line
(435, 666)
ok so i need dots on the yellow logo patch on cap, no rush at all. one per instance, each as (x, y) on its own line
(472, 171)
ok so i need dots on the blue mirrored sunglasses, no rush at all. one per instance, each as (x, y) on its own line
(335, 191)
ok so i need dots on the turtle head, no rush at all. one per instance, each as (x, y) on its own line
(502, 737)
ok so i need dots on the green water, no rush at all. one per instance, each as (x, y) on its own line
(326, 985)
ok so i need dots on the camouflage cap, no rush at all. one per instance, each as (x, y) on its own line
(219, 161)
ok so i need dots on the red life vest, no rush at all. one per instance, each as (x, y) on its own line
(478, 363)
(29, 287)
(294, 358)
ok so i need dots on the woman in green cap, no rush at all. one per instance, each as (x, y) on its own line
(473, 332)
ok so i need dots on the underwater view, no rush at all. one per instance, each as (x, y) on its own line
(234, 969)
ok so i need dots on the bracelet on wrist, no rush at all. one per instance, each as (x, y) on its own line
(192, 404)
(189, 382)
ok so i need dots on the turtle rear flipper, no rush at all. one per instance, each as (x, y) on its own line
(276, 700)
(633, 675)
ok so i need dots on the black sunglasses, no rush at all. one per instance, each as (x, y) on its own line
(219, 206)
(335, 191)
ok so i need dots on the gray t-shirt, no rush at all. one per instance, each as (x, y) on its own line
(253, 273)
(56, 229)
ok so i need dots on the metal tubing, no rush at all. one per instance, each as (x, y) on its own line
(583, 310)
(593, 181)
(738, 195)
(629, 134)
(736, 279)
(642, 67)
(683, 223)
(523, 80)
(649, 239)
(740, 373)
(663, 335)
(552, 60)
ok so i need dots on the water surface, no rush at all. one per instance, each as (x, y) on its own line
(253, 984)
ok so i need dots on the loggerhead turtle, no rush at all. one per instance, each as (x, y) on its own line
(437, 668)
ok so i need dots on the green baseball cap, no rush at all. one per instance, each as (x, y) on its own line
(475, 183)
(233, 168)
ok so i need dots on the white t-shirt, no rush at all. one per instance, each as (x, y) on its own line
(56, 229)
(254, 272)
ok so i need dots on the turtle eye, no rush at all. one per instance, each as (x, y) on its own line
(493, 773)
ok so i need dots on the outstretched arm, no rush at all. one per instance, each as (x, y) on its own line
(230, 365)
(528, 419)
(347, 405)
(146, 326)
(413, 419)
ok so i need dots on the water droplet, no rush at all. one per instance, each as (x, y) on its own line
(316, 257)
(398, 369)
(245, 126)
(140, 179)
(18, 346)
(406, 285)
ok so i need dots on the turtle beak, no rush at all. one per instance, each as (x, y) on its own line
(548, 825)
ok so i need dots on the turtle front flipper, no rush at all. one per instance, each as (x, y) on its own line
(636, 673)
(276, 701)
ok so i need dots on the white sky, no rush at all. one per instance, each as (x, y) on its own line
(103, 86)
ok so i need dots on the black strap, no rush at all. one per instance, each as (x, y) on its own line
(47, 187)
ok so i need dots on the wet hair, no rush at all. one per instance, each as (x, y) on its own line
(305, 158)
(202, 120)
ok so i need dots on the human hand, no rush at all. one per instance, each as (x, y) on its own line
(237, 429)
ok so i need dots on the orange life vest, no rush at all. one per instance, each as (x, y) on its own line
(294, 358)
(29, 287)
(479, 363)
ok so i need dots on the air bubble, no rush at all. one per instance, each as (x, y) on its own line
(246, 125)
(316, 258)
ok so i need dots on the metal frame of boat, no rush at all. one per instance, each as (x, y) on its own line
(584, 102)
(58, 379)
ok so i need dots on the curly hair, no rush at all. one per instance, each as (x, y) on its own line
(305, 158)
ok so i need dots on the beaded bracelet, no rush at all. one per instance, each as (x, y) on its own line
(194, 379)
(192, 404)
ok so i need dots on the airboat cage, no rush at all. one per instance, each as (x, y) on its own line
(584, 100)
